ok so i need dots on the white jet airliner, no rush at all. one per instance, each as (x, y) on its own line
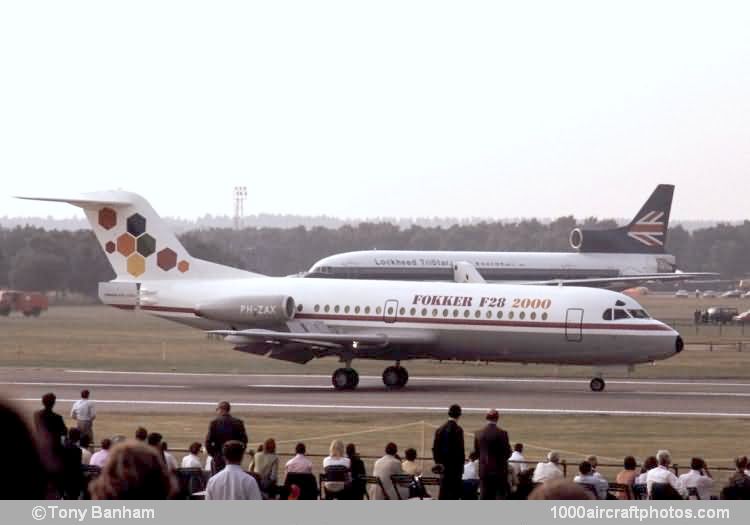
(301, 319)
(616, 258)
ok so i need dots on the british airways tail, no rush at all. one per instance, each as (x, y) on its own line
(138, 244)
(646, 233)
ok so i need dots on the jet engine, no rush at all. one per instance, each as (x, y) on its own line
(250, 310)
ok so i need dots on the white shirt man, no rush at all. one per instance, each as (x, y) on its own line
(299, 464)
(471, 470)
(232, 483)
(662, 474)
(85, 456)
(549, 470)
(98, 459)
(588, 476)
(84, 413)
(699, 480)
(170, 460)
(191, 461)
(517, 462)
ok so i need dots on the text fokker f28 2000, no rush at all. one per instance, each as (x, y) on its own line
(297, 320)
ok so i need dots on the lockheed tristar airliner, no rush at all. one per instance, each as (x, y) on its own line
(617, 258)
(300, 319)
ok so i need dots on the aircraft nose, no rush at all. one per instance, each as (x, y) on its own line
(679, 345)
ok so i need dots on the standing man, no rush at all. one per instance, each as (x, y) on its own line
(50, 425)
(493, 447)
(84, 413)
(222, 429)
(448, 451)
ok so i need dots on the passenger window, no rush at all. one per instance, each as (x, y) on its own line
(544, 316)
(346, 309)
(499, 314)
(299, 307)
(413, 311)
(378, 310)
(327, 308)
(477, 314)
(533, 315)
(317, 308)
(367, 309)
(390, 310)
(510, 314)
(455, 313)
(467, 313)
(402, 311)
(445, 313)
(522, 315)
(356, 309)
(607, 315)
(336, 308)
(489, 314)
(424, 312)
(621, 314)
(434, 312)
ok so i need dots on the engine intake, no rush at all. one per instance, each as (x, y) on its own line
(250, 310)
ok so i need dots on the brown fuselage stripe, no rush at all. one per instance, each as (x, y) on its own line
(441, 320)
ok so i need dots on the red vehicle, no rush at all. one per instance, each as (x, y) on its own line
(28, 303)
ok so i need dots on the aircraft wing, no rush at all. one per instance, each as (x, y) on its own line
(626, 281)
(322, 339)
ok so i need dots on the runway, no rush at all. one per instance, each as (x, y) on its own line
(119, 391)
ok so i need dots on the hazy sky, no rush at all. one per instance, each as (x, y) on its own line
(399, 108)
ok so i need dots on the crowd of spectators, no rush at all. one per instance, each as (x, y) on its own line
(53, 461)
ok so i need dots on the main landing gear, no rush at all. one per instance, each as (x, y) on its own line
(597, 384)
(345, 379)
(395, 377)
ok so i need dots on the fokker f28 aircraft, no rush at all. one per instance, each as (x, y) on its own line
(617, 258)
(300, 319)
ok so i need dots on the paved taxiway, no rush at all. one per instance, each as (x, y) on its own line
(186, 392)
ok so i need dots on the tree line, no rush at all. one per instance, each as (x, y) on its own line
(36, 259)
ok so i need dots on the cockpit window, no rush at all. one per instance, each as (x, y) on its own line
(607, 315)
(639, 314)
(621, 314)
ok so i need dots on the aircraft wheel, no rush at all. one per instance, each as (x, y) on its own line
(395, 377)
(353, 378)
(345, 379)
(597, 384)
(404, 375)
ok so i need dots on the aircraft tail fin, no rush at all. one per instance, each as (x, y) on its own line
(646, 233)
(138, 243)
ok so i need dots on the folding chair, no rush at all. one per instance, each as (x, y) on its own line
(374, 480)
(190, 481)
(693, 493)
(590, 488)
(430, 481)
(620, 488)
(402, 481)
(334, 474)
(639, 491)
(306, 483)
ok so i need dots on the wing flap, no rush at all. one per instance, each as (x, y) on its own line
(325, 340)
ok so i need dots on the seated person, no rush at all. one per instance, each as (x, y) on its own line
(409, 465)
(335, 489)
(587, 477)
(470, 477)
(699, 478)
(549, 470)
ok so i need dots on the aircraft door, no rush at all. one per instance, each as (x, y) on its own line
(390, 309)
(574, 325)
